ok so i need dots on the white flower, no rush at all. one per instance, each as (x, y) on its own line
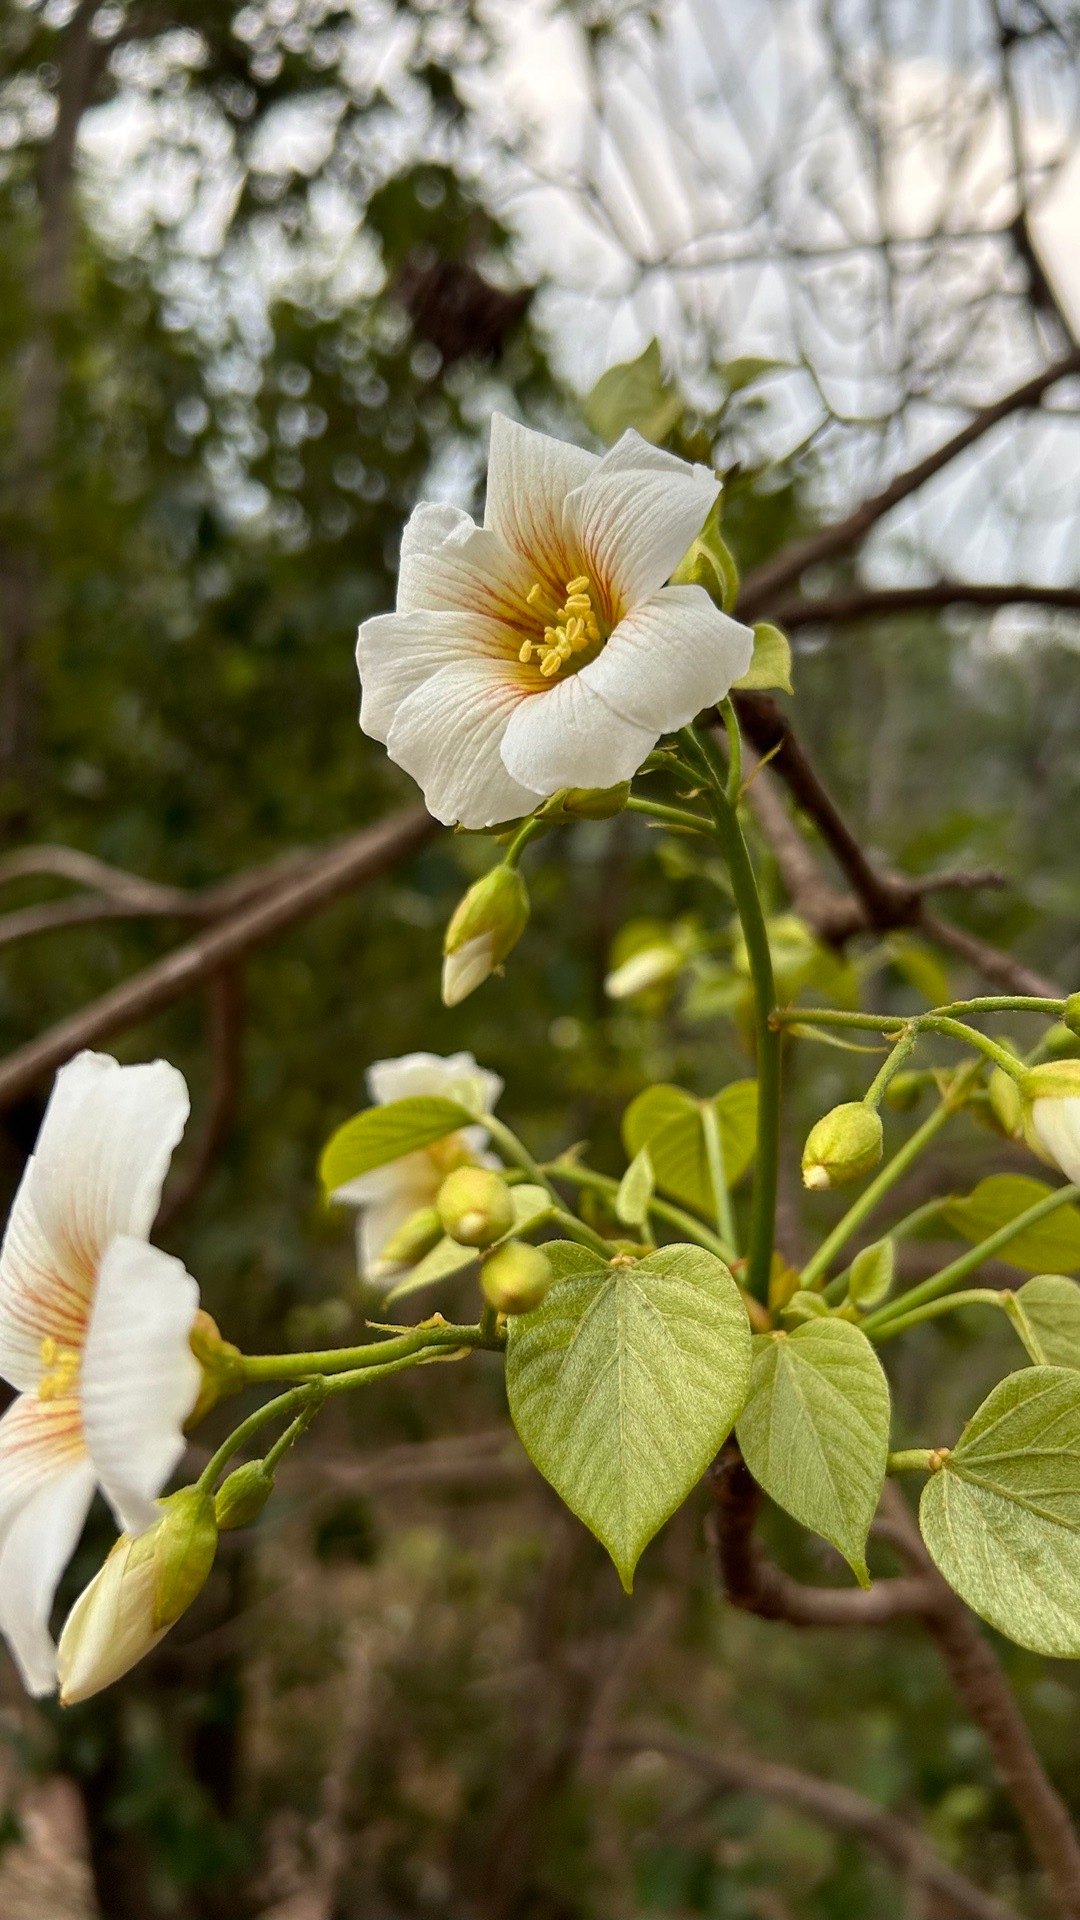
(94, 1326)
(543, 650)
(1051, 1106)
(388, 1196)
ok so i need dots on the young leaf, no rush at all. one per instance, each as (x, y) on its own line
(770, 664)
(1001, 1517)
(624, 1383)
(635, 1190)
(381, 1134)
(1046, 1315)
(634, 394)
(1051, 1246)
(871, 1277)
(815, 1430)
(667, 1120)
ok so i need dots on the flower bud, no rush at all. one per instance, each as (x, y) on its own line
(415, 1237)
(1071, 1014)
(843, 1146)
(516, 1277)
(222, 1366)
(1050, 1097)
(241, 1498)
(485, 925)
(475, 1206)
(586, 803)
(140, 1592)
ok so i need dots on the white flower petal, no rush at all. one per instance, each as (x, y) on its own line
(634, 519)
(447, 735)
(110, 1627)
(377, 1224)
(669, 658)
(102, 1156)
(397, 653)
(445, 1075)
(36, 1301)
(46, 1485)
(1057, 1124)
(140, 1378)
(568, 736)
(450, 565)
(529, 478)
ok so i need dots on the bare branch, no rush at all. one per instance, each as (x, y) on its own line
(886, 603)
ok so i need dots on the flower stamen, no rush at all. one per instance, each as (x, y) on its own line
(61, 1369)
(573, 627)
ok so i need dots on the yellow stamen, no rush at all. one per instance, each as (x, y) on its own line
(574, 626)
(526, 653)
(550, 664)
(579, 584)
(61, 1369)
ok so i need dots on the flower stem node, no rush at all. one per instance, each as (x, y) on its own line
(1070, 1014)
(222, 1367)
(241, 1498)
(486, 924)
(516, 1277)
(140, 1592)
(1051, 1114)
(475, 1206)
(843, 1146)
(413, 1239)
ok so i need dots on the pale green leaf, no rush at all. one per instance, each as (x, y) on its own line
(634, 394)
(635, 1190)
(815, 1430)
(770, 664)
(1051, 1246)
(624, 1383)
(871, 1277)
(748, 368)
(1001, 1517)
(1046, 1315)
(381, 1134)
(667, 1120)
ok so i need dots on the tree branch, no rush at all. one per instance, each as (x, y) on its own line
(886, 603)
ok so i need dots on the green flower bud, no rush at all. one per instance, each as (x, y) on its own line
(415, 1237)
(222, 1367)
(241, 1498)
(843, 1146)
(485, 925)
(475, 1206)
(516, 1277)
(1071, 1014)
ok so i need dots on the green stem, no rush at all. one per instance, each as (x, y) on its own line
(291, 1435)
(888, 1070)
(674, 1216)
(516, 1151)
(671, 816)
(733, 789)
(911, 1460)
(972, 1297)
(892, 1022)
(958, 1270)
(336, 1360)
(714, 1155)
(971, 1037)
(273, 1410)
(748, 904)
(526, 832)
(576, 1229)
(900, 1230)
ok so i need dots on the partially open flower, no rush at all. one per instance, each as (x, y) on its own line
(485, 925)
(1051, 1113)
(95, 1331)
(543, 650)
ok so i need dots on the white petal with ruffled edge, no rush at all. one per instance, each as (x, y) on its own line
(445, 1075)
(450, 565)
(140, 1379)
(397, 653)
(635, 517)
(1057, 1124)
(102, 1156)
(670, 658)
(46, 1486)
(447, 734)
(568, 736)
(529, 478)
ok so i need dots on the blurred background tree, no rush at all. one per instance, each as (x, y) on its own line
(264, 275)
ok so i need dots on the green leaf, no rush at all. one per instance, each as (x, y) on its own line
(709, 562)
(748, 368)
(1046, 1315)
(625, 1382)
(1051, 1246)
(815, 1430)
(920, 966)
(1001, 1517)
(381, 1134)
(635, 1190)
(770, 665)
(667, 1120)
(634, 394)
(871, 1277)
(531, 1205)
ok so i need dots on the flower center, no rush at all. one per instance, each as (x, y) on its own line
(61, 1369)
(570, 629)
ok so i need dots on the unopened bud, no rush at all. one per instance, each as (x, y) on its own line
(485, 925)
(222, 1367)
(475, 1206)
(587, 803)
(1050, 1098)
(843, 1146)
(241, 1498)
(140, 1592)
(415, 1237)
(516, 1277)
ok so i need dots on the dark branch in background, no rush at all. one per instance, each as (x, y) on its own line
(754, 1584)
(886, 603)
(226, 1033)
(834, 1806)
(322, 879)
(760, 588)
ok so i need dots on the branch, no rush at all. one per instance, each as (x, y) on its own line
(886, 603)
(761, 587)
(361, 858)
(835, 1806)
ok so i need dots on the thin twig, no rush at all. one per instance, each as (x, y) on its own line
(887, 603)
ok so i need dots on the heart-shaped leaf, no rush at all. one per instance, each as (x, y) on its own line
(1001, 1517)
(871, 1276)
(1046, 1315)
(635, 1190)
(381, 1134)
(624, 1383)
(1052, 1246)
(667, 1120)
(815, 1430)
